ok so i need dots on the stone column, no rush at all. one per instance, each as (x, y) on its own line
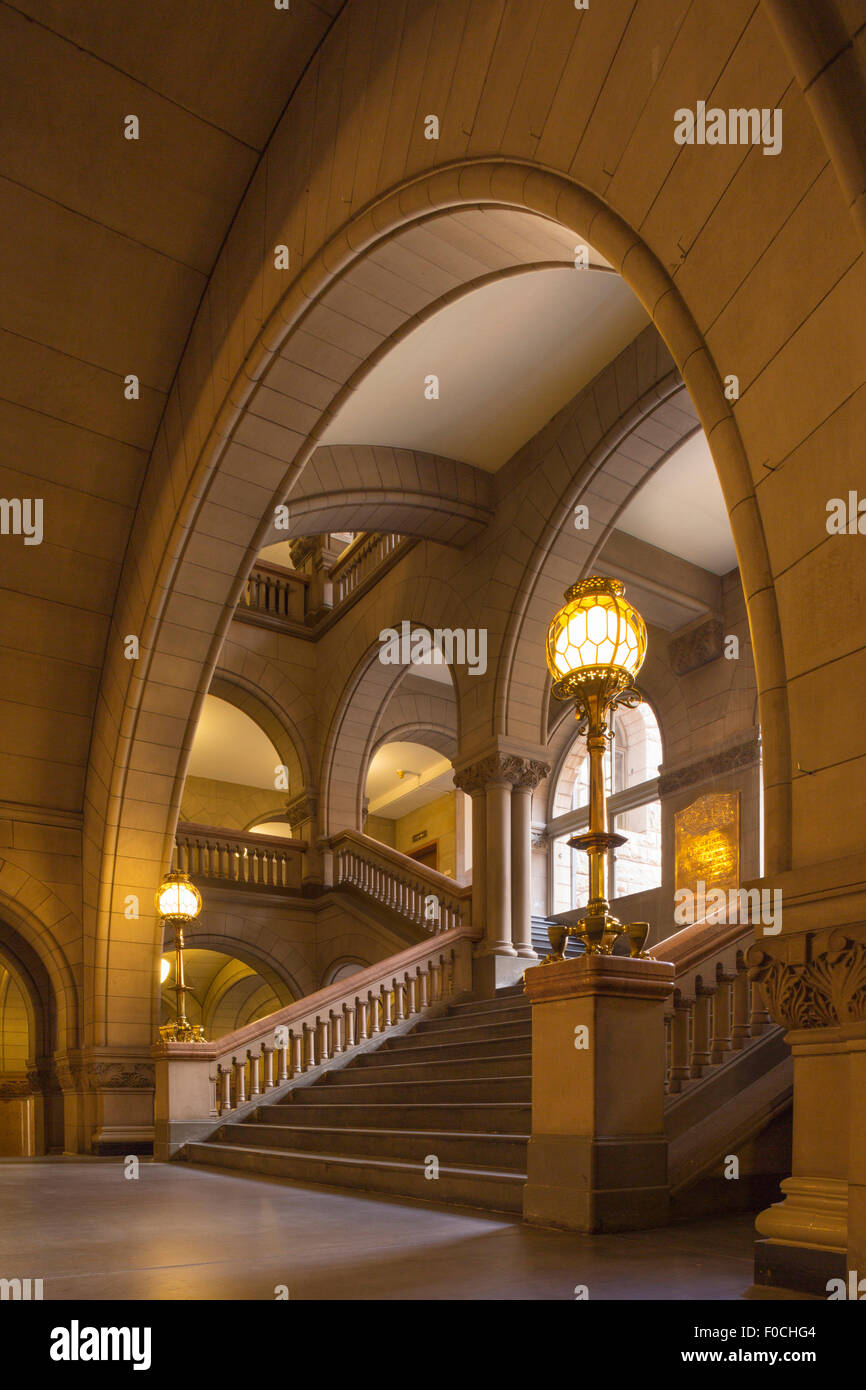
(498, 876)
(597, 1158)
(525, 779)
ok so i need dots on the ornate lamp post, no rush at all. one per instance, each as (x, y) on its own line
(596, 645)
(178, 901)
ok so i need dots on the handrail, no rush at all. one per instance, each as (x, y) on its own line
(239, 857)
(419, 894)
(333, 1020)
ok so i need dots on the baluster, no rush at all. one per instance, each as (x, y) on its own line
(759, 1018)
(680, 1070)
(450, 973)
(321, 1026)
(431, 982)
(668, 1044)
(240, 1082)
(741, 1004)
(362, 1015)
(268, 1067)
(348, 1026)
(387, 997)
(336, 1033)
(297, 1052)
(400, 1006)
(309, 1046)
(255, 1088)
(225, 1078)
(721, 1043)
(700, 1057)
(423, 984)
(411, 1001)
(374, 1015)
(283, 1071)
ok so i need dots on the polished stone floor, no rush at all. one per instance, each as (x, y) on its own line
(181, 1233)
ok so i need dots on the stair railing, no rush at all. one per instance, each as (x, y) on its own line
(264, 1055)
(715, 1010)
(426, 899)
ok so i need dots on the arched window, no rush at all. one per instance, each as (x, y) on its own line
(631, 766)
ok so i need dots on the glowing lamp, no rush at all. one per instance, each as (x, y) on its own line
(177, 899)
(178, 903)
(596, 645)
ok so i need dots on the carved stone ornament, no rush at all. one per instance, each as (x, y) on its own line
(730, 760)
(824, 991)
(301, 809)
(501, 767)
(120, 1076)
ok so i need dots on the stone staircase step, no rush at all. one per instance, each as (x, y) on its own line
(396, 1068)
(411, 1048)
(487, 1116)
(464, 1032)
(517, 1012)
(501, 1151)
(335, 1089)
(488, 1188)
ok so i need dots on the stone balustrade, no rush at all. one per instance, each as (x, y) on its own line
(196, 1083)
(362, 559)
(425, 898)
(241, 858)
(277, 592)
(715, 1010)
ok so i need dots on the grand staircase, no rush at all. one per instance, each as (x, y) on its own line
(441, 1113)
(399, 1081)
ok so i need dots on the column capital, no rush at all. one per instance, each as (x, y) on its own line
(302, 808)
(501, 767)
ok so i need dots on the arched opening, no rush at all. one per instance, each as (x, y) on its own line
(226, 993)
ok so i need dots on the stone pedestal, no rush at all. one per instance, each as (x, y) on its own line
(185, 1096)
(598, 1153)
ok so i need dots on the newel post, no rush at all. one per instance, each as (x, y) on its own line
(597, 1158)
(184, 1097)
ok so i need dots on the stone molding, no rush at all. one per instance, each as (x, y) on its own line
(501, 767)
(819, 982)
(742, 755)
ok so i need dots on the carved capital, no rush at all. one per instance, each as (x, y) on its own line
(823, 991)
(302, 808)
(501, 767)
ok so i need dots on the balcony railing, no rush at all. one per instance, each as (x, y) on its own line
(240, 858)
(277, 592)
(279, 595)
(362, 558)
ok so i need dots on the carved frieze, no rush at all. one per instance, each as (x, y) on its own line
(729, 760)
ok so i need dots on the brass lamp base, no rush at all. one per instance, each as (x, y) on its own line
(182, 1031)
(598, 931)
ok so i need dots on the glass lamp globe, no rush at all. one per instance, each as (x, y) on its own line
(177, 898)
(597, 636)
